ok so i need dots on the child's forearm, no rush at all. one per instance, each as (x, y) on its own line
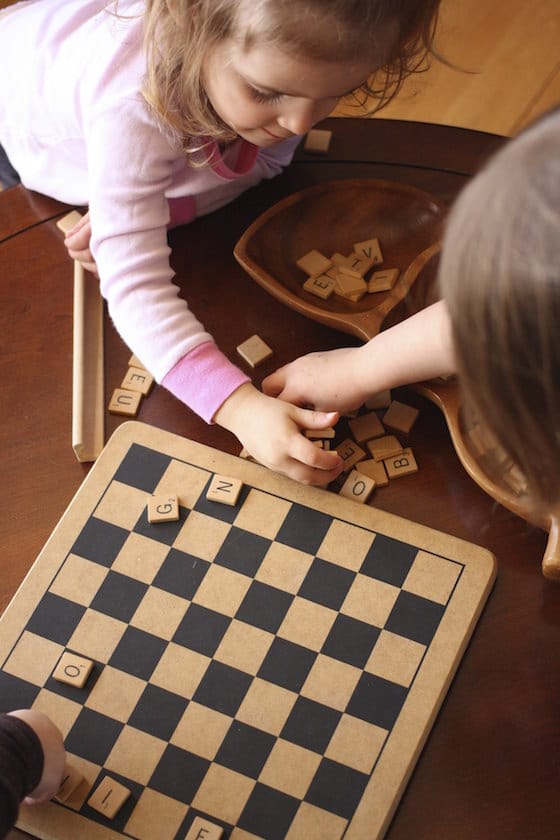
(411, 351)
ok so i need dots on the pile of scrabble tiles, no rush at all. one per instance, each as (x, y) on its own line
(347, 276)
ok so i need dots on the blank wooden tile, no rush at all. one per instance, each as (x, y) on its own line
(382, 281)
(370, 249)
(375, 469)
(134, 361)
(125, 402)
(67, 222)
(138, 379)
(163, 507)
(109, 797)
(320, 434)
(317, 141)
(73, 669)
(358, 486)
(384, 447)
(224, 489)
(203, 829)
(350, 453)
(314, 263)
(70, 780)
(366, 426)
(380, 400)
(403, 464)
(321, 286)
(254, 350)
(346, 285)
(400, 417)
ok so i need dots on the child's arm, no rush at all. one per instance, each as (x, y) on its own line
(31, 762)
(342, 380)
(271, 431)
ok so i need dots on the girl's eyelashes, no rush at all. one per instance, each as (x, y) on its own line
(264, 97)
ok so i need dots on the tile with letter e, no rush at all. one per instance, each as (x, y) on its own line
(203, 829)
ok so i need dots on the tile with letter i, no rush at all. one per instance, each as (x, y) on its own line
(224, 489)
(109, 797)
(163, 508)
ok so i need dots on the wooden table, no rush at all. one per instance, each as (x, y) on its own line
(491, 766)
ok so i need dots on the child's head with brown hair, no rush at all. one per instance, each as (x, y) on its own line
(382, 40)
(500, 278)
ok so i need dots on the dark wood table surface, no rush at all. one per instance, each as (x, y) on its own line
(491, 766)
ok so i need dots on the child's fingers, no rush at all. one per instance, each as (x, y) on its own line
(274, 384)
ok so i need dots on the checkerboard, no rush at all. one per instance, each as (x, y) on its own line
(274, 666)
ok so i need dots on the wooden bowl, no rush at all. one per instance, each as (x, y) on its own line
(408, 223)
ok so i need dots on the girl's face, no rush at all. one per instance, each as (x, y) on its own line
(267, 95)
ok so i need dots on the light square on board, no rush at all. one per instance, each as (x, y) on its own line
(58, 708)
(115, 693)
(222, 590)
(201, 535)
(223, 793)
(395, 658)
(159, 613)
(186, 480)
(97, 635)
(370, 600)
(121, 505)
(290, 768)
(244, 647)
(346, 544)
(33, 658)
(284, 567)
(79, 580)
(156, 815)
(266, 706)
(316, 824)
(140, 558)
(201, 730)
(109, 797)
(432, 577)
(356, 743)
(135, 755)
(307, 623)
(262, 513)
(331, 682)
(180, 670)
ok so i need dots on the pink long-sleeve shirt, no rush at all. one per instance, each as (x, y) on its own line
(76, 127)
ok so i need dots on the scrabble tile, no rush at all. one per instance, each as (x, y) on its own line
(321, 286)
(384, 447)
(366, 426)
(400, 417)
(224, 489)
(134, 361)
(380, 400)
(68, 221)
(358, 486)
(138, 379)
(203, 829)
(350, 453)
(163, 508)
(109, 797)
(346, 285)
(383, 281)
(73, 669)
(314, 263)
(317, 141)
(125, 402)
(70, 780)
(370, 249)
(375, 469)
(320, 434)
(254, 350)
(403, 464)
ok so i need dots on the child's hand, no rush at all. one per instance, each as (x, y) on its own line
(271, 431)
(53, 752)
(325, 380)
(77, 242)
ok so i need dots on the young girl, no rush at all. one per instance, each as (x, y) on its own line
(31, 762)
(153, 112)
(496, 325)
